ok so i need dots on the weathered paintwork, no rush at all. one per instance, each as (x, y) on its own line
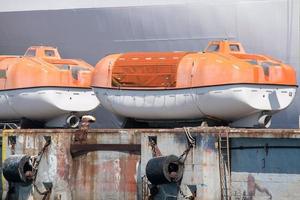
(94, 175)
(265, 168)
(110, 172)
(201, 166)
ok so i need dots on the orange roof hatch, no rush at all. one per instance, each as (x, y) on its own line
(225, 46)
(43, 52)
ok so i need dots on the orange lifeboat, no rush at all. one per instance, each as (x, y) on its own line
(222, 84)
(41, 86)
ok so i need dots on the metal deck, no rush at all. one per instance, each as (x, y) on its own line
(110, 163)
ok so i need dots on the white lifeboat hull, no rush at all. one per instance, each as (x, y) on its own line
(45, 103)
(229, 103)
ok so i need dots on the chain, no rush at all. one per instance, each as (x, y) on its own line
(35, 165)
(183, 195)
(184, 154)
(154, 148)
(191, 144)
(38, 191)
(152, 145)
(37, 159)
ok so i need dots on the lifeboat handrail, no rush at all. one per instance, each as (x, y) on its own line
(225, 56)
(41, 62)
(60, 61)
(3, 57)
(79, 63)
(256, 57)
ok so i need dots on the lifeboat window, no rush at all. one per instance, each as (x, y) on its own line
(76, 70)
(2, 73)
(49, 53)
(265, 66)
(253, 62)
(213, 47)
(234, 47)
(30, 53)
(63, 67)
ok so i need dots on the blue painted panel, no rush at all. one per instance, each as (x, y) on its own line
(265, 155)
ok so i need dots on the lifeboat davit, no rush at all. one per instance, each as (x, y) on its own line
(41, 86)
(223, 83)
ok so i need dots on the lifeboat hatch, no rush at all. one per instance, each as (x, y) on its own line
(63, 66)
(225, 46)
(146, 69)
(42, 52)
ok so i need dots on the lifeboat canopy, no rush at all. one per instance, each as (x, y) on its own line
(225, 46)
(43, 52)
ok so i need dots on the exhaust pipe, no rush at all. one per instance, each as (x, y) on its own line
(265, 121)
(73, 121)
(258, 120)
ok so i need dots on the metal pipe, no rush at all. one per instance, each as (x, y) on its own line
(73, 121)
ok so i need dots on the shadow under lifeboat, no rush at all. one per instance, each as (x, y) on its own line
(222, 84)
(42, 87)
